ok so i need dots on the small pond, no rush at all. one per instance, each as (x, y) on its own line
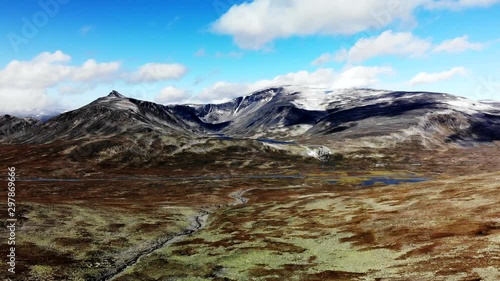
(371, 181)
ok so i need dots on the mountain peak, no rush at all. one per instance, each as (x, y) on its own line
(115, 94)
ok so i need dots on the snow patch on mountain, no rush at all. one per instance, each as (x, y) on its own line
(125, 105)
(117, 101)
(469, 106)
(322, 99)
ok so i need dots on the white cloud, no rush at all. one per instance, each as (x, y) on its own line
(222, 91)
(156, 72)
(24, 101)
(253, 25)
(354, 77)
(460, 4)
(92, 71)
(424, 77)
(323, 59)
(458, 45)
(49, 69)
(24, 84)
(48, 57)
(396, 43)
(361, 76)
(172, 95)
(387, 43)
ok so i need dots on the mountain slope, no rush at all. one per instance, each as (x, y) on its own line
(303, 114)
(14, 127)
(116, 114)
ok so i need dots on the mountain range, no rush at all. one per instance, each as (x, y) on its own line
(288, 113)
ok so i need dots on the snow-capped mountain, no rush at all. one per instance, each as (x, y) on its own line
(290, 112)
(286, 113)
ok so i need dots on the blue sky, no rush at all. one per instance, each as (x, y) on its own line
(62, 54)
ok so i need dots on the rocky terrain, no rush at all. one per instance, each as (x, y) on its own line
(295, 120)
(288, 183)
(301, 113)
(12, 127)
(285, 113)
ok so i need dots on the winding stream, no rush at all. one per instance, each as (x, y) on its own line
(198, 222)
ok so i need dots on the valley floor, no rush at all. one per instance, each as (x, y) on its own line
(322, 225)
